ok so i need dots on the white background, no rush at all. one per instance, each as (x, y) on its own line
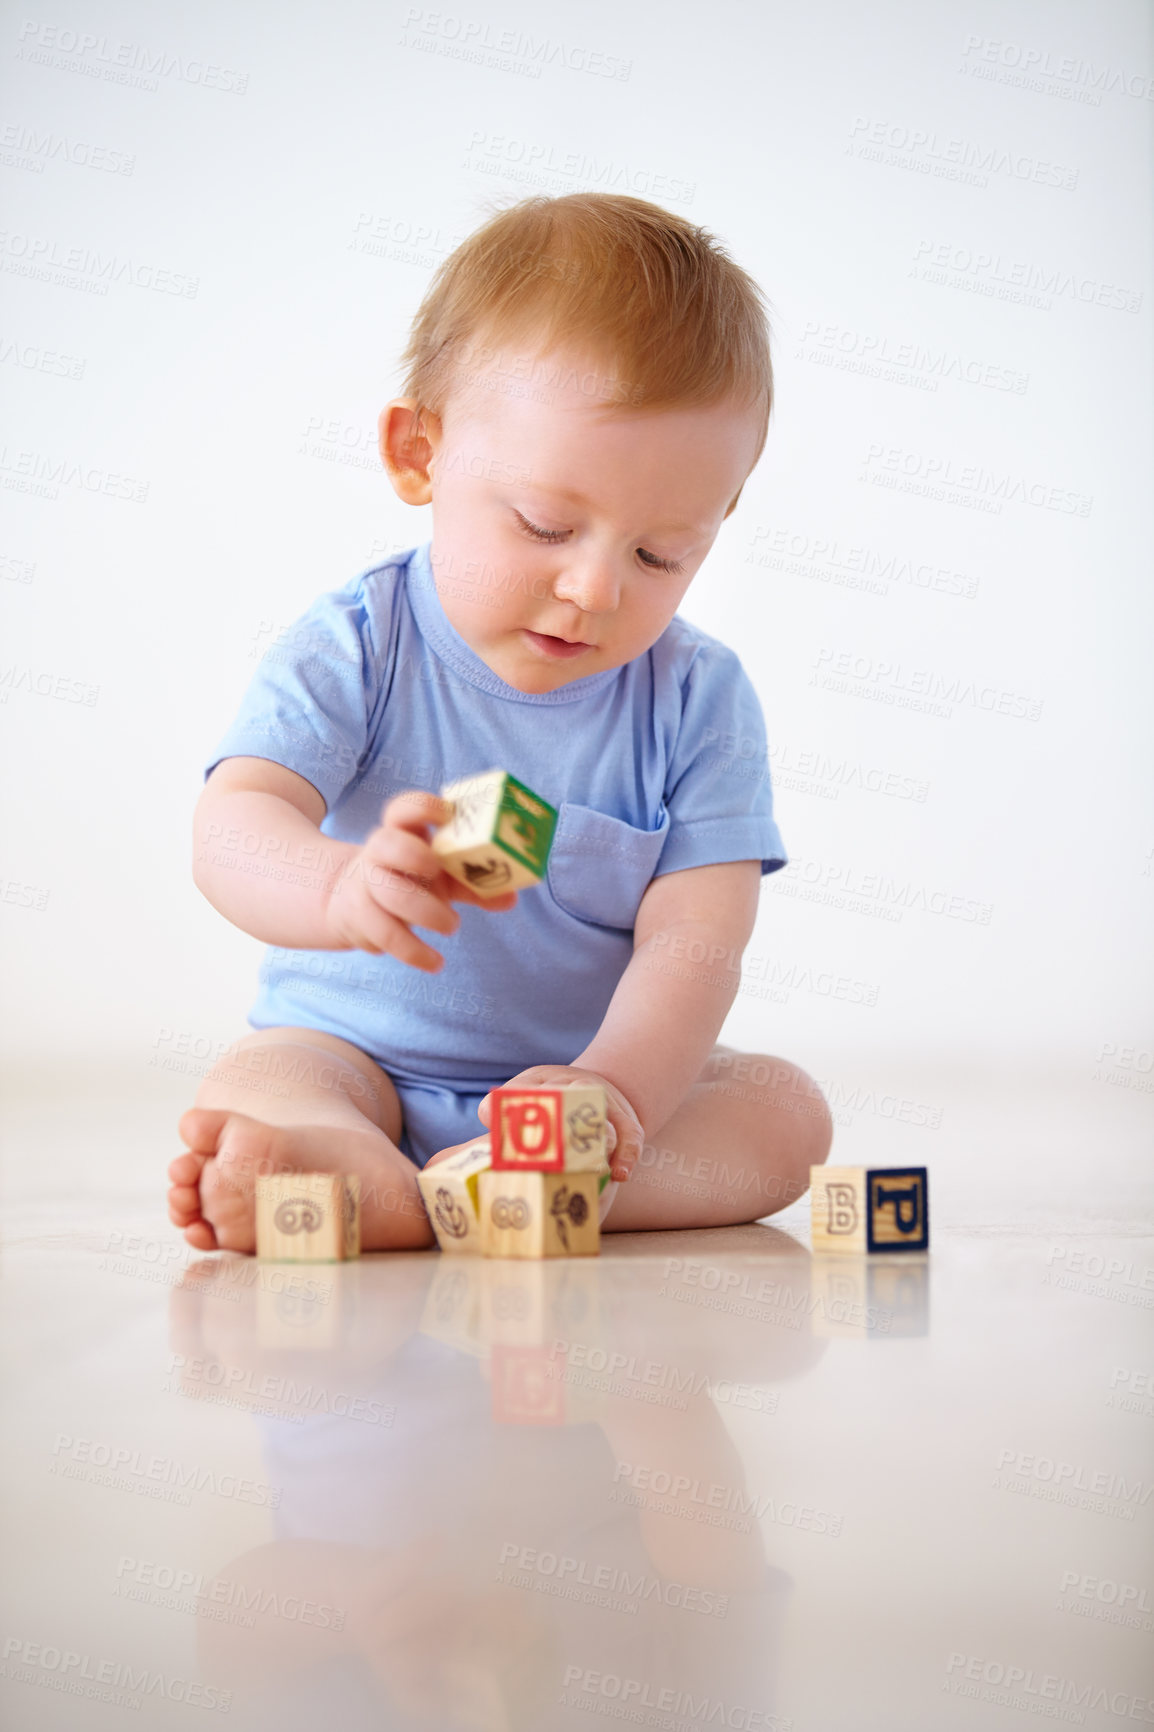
(303, 191)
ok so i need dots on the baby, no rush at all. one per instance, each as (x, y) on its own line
(588, 386)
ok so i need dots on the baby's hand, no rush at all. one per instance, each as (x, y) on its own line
(396, 881)
(626, 1138)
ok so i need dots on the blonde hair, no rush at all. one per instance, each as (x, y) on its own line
(657, 300)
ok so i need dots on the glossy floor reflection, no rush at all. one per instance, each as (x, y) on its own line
(703, 1480)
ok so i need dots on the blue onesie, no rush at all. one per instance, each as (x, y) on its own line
(653, 767)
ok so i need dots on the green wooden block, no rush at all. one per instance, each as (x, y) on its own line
(500, 833)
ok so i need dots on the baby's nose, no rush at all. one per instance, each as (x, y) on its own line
(594, 587)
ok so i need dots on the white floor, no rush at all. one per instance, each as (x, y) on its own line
(703, 1480)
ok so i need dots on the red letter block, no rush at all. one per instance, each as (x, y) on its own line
(527, 1130)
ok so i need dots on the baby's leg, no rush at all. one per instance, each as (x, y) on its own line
(739, 1147)
(285, 1100)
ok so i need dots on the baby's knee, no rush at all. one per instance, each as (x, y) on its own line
(796, 1107)
(814, 1119)
(772, 1081)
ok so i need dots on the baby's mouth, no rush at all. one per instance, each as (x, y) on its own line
(559, 648)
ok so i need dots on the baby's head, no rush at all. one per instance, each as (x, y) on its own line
(588, 385)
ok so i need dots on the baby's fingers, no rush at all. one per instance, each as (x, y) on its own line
(404, 877)
(383, 934)
(415, 810)
(624, 1145)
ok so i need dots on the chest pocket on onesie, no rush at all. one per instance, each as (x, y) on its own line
(599, 867)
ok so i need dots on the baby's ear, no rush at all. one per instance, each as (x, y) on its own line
(408, 436)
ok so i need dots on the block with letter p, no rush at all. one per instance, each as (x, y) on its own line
(549, 1130)
(869, 1209)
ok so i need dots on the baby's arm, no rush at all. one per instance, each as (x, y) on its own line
(252, 818)
(664, 1018)
(263, 862)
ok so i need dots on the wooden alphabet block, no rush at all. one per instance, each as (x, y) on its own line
(500, 833)
(540, 1214)
(549, 1130)
(449, 1193)
(308, 1217)
(869, 1209)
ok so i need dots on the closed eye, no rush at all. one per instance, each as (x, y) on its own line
(554, 535)
(673, 565)
(540, 534)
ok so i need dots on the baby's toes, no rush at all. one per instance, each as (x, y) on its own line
(228, 1203)
(232, 1225)
(186, 1169)
(200, 1127)
(455, 1149)
(183, 1204)
(184, 1189)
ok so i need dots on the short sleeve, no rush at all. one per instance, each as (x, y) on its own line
(717, 787)
(309, 704)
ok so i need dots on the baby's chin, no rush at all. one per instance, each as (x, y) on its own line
(516, 664)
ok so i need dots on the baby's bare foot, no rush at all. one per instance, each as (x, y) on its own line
(213, 1186)
(455, 1148)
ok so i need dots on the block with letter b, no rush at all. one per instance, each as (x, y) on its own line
(549, 1130)
(869, 1209)
(499, 835)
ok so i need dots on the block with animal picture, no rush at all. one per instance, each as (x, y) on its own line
(449, 1192)
(308, 1217)
(530, 1214)
(549, 1130)
(499, 835)
(865, 1209)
